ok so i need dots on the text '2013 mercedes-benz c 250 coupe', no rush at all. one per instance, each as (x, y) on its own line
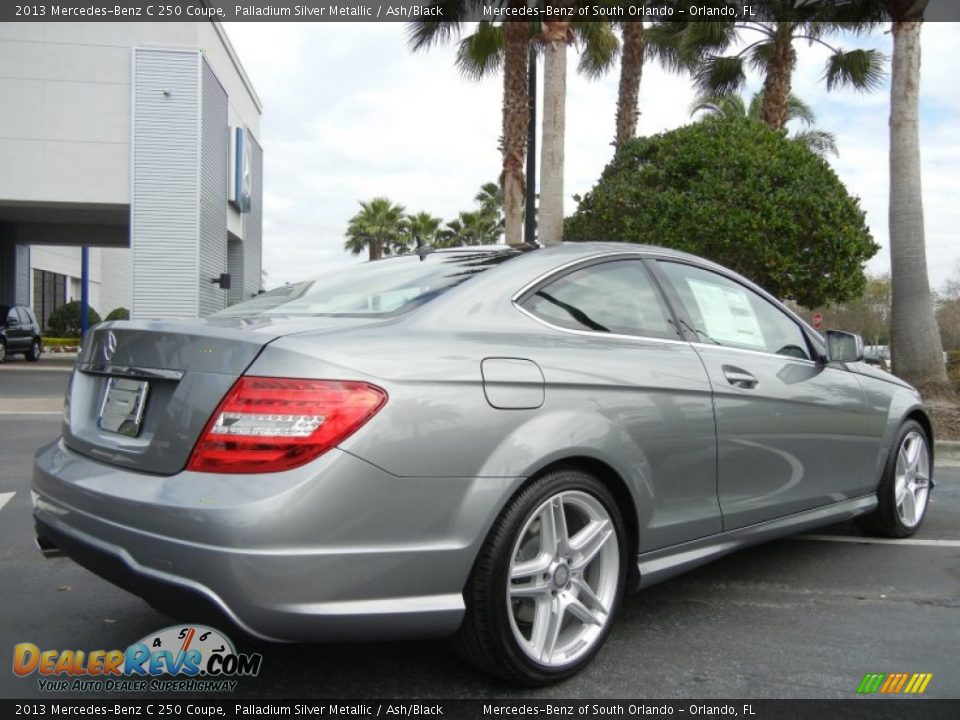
(489, 443)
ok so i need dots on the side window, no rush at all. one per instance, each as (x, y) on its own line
(725, 312)
(24, 316)
(12, 315)
(616, 297)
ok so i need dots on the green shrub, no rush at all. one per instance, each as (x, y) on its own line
(120, 313)
(739, 193)
(65, 320)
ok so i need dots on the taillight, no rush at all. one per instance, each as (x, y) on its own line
(270, 424)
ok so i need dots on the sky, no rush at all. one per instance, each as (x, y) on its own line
(350, 113)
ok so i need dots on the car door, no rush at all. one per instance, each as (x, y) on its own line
(793, 432)
(618, 354)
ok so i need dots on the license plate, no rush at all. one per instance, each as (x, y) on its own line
(123, 403)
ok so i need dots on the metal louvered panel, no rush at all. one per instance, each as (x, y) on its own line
(22, 274)
(214, 176)
(253, 227)
(165, 183)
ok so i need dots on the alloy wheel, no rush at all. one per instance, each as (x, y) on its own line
(564, 576)
(912, 480)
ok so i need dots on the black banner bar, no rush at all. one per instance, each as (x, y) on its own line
(438, 10)
(854, 709)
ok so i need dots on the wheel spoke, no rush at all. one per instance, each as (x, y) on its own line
(912, 452)
(586, 593)
(908, 508)
(559, 522)
(546, 627)
(581, 612)
(537, 587)
(589, 541)
(529, 568)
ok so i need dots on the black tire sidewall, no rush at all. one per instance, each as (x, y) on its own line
(887, 492)
(515, 517)
(33, 354)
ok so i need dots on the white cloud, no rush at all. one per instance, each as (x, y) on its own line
(350, 113)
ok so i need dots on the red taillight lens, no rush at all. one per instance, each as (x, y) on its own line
(271, 424)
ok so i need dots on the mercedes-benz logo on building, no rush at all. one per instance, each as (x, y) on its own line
(109, 346)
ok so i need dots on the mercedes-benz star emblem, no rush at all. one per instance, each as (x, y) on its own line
(109, 346)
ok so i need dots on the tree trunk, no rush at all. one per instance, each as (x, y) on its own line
(513, 143)
(555, 36)
(631, 69)
(776, 84)
(917, 353)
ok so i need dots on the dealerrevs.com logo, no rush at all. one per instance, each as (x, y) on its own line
(191, 658)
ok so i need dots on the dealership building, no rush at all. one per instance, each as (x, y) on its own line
(140, 142)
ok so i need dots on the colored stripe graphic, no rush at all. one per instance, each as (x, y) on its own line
(871, 682)
(894, 683)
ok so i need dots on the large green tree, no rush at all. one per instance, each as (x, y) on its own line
(740, 193)
(379, 227)
(422, 229)
(718, 53)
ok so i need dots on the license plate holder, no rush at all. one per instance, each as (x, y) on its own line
(121, 411)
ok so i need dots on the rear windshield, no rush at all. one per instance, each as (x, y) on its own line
(375, 289)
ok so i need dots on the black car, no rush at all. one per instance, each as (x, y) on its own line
(19, 332)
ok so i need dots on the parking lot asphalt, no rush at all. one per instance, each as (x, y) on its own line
(804, 617)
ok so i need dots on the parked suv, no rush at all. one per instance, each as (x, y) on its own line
(19, 332)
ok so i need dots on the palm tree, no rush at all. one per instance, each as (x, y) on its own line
(698, 47)
(423, 229)
(732, 106)
(378, 228)
(505, 44)
(490, 198)
(599, 48)
(631, 70)
(470, 228)
(490, 47)
(916, 348)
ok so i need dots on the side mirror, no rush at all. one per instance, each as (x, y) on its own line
(844, 347)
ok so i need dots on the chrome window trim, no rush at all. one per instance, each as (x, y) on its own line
(652, 255)
(132, 372)
(544, 277)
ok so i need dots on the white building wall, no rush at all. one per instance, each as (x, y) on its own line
(116, 274)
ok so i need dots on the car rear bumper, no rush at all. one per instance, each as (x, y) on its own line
(337, 550)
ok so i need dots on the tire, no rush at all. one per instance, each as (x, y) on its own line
(904, 491)
(3, 351)
(539, 611)
(33, 354)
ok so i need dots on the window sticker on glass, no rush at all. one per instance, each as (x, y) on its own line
(727, 314)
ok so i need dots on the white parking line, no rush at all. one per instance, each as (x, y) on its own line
(880, 541)
(5, 498)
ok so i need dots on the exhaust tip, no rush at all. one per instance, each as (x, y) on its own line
(48, 549)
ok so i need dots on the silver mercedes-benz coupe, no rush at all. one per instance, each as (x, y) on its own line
(489, 443)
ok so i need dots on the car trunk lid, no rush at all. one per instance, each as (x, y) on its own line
(143, 391)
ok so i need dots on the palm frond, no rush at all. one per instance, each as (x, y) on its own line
(727, 106)
(797, 109)
(599, 47)
(760, 55)
(718, 75)
(820, 142)
(862, 69)
(663, 45)
(481, 53)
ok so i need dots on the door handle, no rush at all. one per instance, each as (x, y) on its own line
(739, 378)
